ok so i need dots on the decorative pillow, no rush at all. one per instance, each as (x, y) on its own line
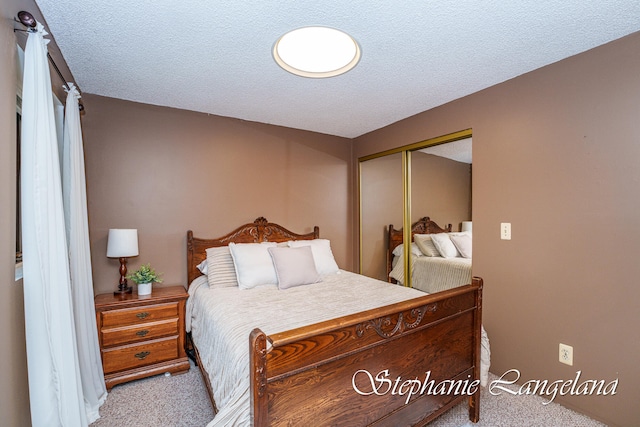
(203, 267)
(294, 266)
(253, 264)
(445, 246)
(425, 244)
(322, 254)
(397, 272)
(463, 244)
(220, 271)
(415, 250)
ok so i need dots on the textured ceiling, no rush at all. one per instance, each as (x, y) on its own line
(215, 56)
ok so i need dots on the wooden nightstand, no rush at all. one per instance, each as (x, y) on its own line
(142, 336)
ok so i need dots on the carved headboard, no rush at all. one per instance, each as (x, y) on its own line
(422, 226)
(258, 231)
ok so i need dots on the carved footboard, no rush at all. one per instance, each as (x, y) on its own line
(402, 364)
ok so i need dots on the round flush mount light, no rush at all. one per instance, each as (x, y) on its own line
(316, 52)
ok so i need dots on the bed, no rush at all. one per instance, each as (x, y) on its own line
(273, 356)
(431, 272)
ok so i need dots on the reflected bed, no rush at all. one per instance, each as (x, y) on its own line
(431, 272)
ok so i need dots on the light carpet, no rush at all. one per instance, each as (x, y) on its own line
(182, 401)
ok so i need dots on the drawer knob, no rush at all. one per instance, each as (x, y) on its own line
(142, 315)
(142, 333)
(142, 355)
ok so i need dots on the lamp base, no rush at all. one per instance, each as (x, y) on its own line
(123, 286)
(123, 291)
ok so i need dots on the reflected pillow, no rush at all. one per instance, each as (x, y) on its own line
(444, 245)
(220, 271)
(426, 245)
(415, 250)
(463, 244)
(322, 254)
(253, 264)
(397, 272)
(294, 266)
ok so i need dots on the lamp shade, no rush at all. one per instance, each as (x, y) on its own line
(122, 243)
(466, 226)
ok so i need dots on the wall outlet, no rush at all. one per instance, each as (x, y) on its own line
(505, 230)
(566, 354)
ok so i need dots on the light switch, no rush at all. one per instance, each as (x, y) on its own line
(505, 231)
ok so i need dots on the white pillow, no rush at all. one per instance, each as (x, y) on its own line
(415, 250)
(445, 246)
(294, 266)
(426, 245)
(253, 264)
(322, 254)
(220, 271)
(463, 244)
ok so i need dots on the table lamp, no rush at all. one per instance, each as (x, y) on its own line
(122, 243)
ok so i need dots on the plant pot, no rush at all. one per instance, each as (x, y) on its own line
(144, 288)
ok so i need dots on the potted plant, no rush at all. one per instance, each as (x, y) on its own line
(144, 277)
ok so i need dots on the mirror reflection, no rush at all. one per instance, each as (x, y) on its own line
(440, 204)
(440, 199)
(381, 203)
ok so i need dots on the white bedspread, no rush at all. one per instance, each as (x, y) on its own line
(221, 320)
(435, 274)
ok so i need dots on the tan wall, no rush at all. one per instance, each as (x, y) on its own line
(165, 171)
(555, 153)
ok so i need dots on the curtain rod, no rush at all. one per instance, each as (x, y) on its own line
(27, 19)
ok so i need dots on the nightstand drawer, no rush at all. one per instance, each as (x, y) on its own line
(135, 333)
(133, 356)
(131, 316)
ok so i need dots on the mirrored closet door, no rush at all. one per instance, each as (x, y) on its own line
(381, 204)
(419, 189)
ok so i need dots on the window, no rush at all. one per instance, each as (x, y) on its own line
(58, 109)
(20, 67)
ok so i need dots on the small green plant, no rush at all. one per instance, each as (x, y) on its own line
(145, 274)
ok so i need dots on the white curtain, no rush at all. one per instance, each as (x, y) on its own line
(55, 390)
(77, 226)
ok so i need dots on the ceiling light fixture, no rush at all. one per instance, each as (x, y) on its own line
(316, 52)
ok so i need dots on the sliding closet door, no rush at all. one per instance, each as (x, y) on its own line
(381, 204)
(441, 190)
(431, 178)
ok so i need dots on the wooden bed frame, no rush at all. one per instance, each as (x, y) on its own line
(309, 375)
(395, 237)
(259, 230)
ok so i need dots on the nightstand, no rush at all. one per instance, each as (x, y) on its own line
(143, 335)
